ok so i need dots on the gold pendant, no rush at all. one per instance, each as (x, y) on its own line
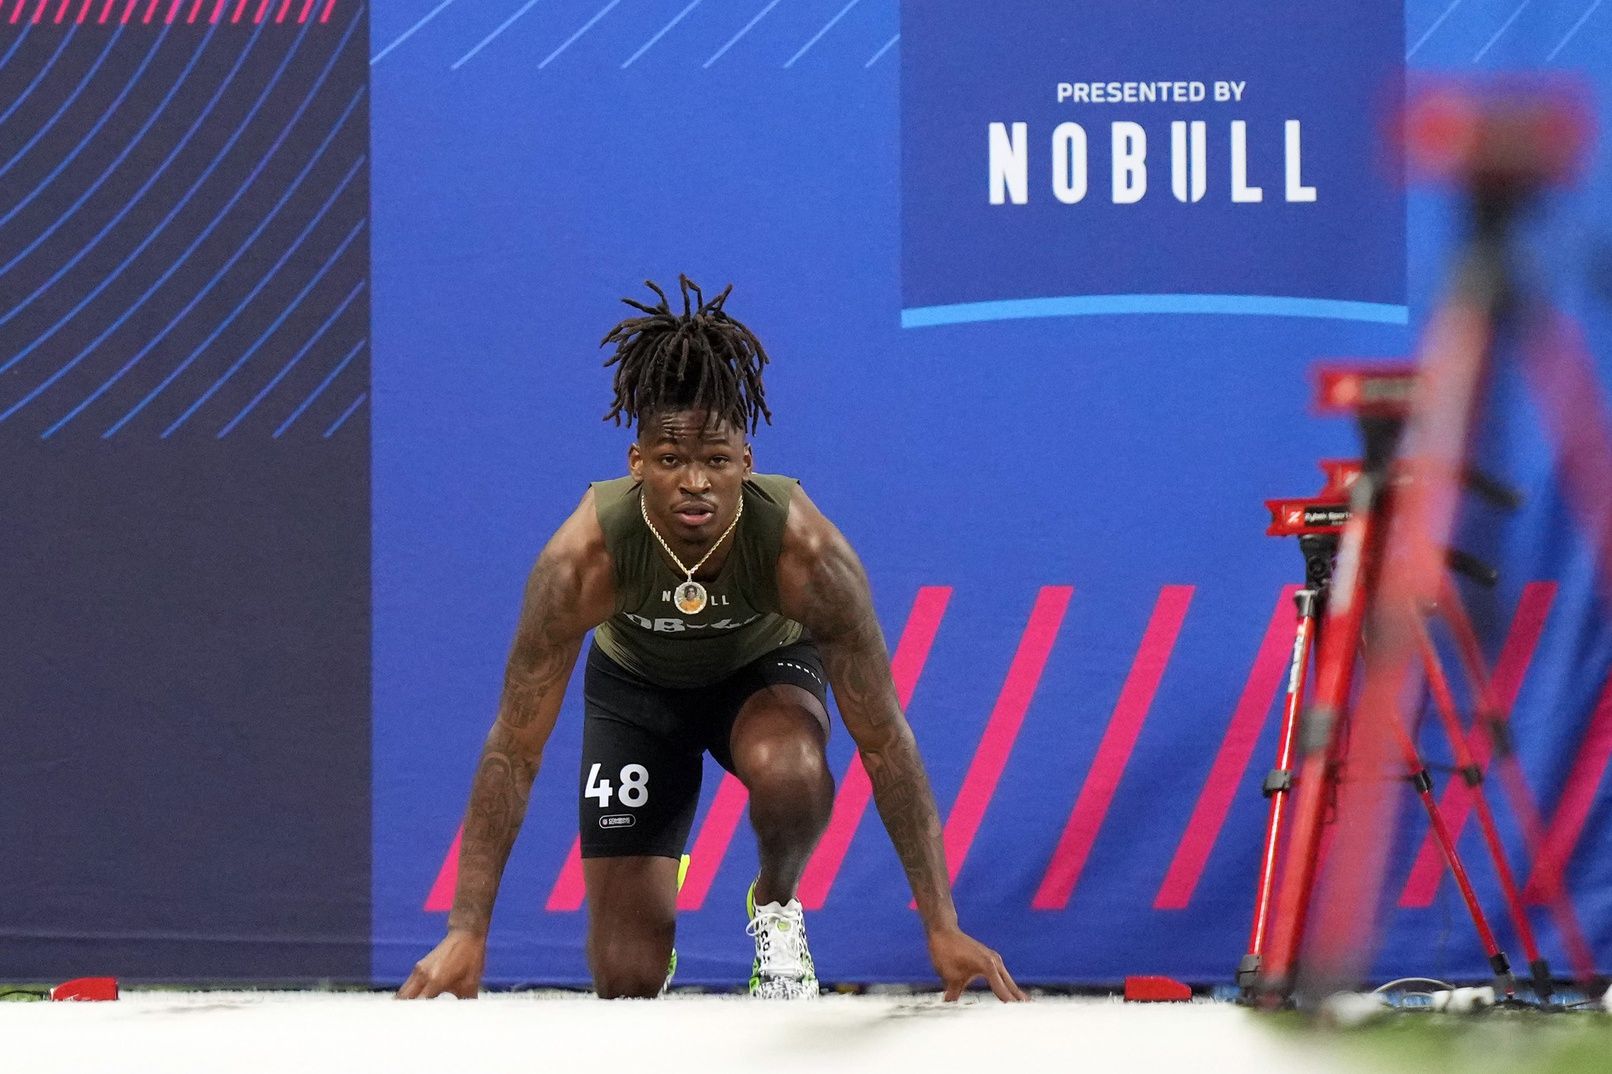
(690, 598)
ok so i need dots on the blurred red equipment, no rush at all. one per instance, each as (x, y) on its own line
(1509, 135)
(1146, 989)
(86, 988)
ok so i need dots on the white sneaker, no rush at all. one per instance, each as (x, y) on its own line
(783, 967)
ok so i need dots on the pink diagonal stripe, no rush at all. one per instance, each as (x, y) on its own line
(151, 9)
(16, 12)
(906, 666)
(711, 845)
(1562, 375)
(105, 11)
(240, 6)
(447, 882)
(279, 16)
(173, 11)
(307, 6)
(1124, 725)
(84, 12)
(39, 12)
(195, 9)
(262, 7)
(1589, 768)
(1510, 669)
(1002, 728)
(1226, 773)
(324, 16)
(569, 889)
(61, 12)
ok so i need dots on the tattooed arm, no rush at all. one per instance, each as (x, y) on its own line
(822, 586)
(570, 590)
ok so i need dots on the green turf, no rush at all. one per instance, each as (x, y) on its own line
(22, 993)
(1492, 1042)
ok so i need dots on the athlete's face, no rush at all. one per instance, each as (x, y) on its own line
(692, 474)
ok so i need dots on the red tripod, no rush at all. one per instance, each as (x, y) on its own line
(1317, 524)
(1490, 716)
(1391, 559)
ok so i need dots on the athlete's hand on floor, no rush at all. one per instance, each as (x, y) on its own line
(962, 960)
(453, 966)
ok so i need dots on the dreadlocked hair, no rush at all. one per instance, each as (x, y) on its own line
(701, 359)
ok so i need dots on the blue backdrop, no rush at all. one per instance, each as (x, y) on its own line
(259, 589)
(531, 165)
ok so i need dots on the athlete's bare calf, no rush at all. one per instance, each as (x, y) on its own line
(632, 920)
(777, 745)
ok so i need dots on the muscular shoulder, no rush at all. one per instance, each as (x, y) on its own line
(808, 534)
(614, 505)
(574, 568)
(580, 536)
(820, 580)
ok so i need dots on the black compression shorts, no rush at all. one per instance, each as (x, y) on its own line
(643, 747)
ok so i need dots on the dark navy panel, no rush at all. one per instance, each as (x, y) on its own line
(184, 501)
(185, 712)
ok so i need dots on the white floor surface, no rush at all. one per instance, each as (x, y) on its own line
(293, 1033)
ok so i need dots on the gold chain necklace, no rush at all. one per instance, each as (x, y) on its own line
(690, 598)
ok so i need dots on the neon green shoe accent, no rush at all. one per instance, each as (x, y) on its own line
(671, 965)
(750, 913)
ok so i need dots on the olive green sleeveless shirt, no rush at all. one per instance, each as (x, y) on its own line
(648, 636)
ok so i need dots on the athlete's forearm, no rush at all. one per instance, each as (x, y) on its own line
(534, 684)
(497, 806)
(859, 670)
(907, 807)
(838, 609)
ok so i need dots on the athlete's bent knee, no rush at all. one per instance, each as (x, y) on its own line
(783, 760)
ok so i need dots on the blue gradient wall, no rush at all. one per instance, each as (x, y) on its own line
(257, 591)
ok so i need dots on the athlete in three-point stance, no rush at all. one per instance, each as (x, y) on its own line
(723, 605)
